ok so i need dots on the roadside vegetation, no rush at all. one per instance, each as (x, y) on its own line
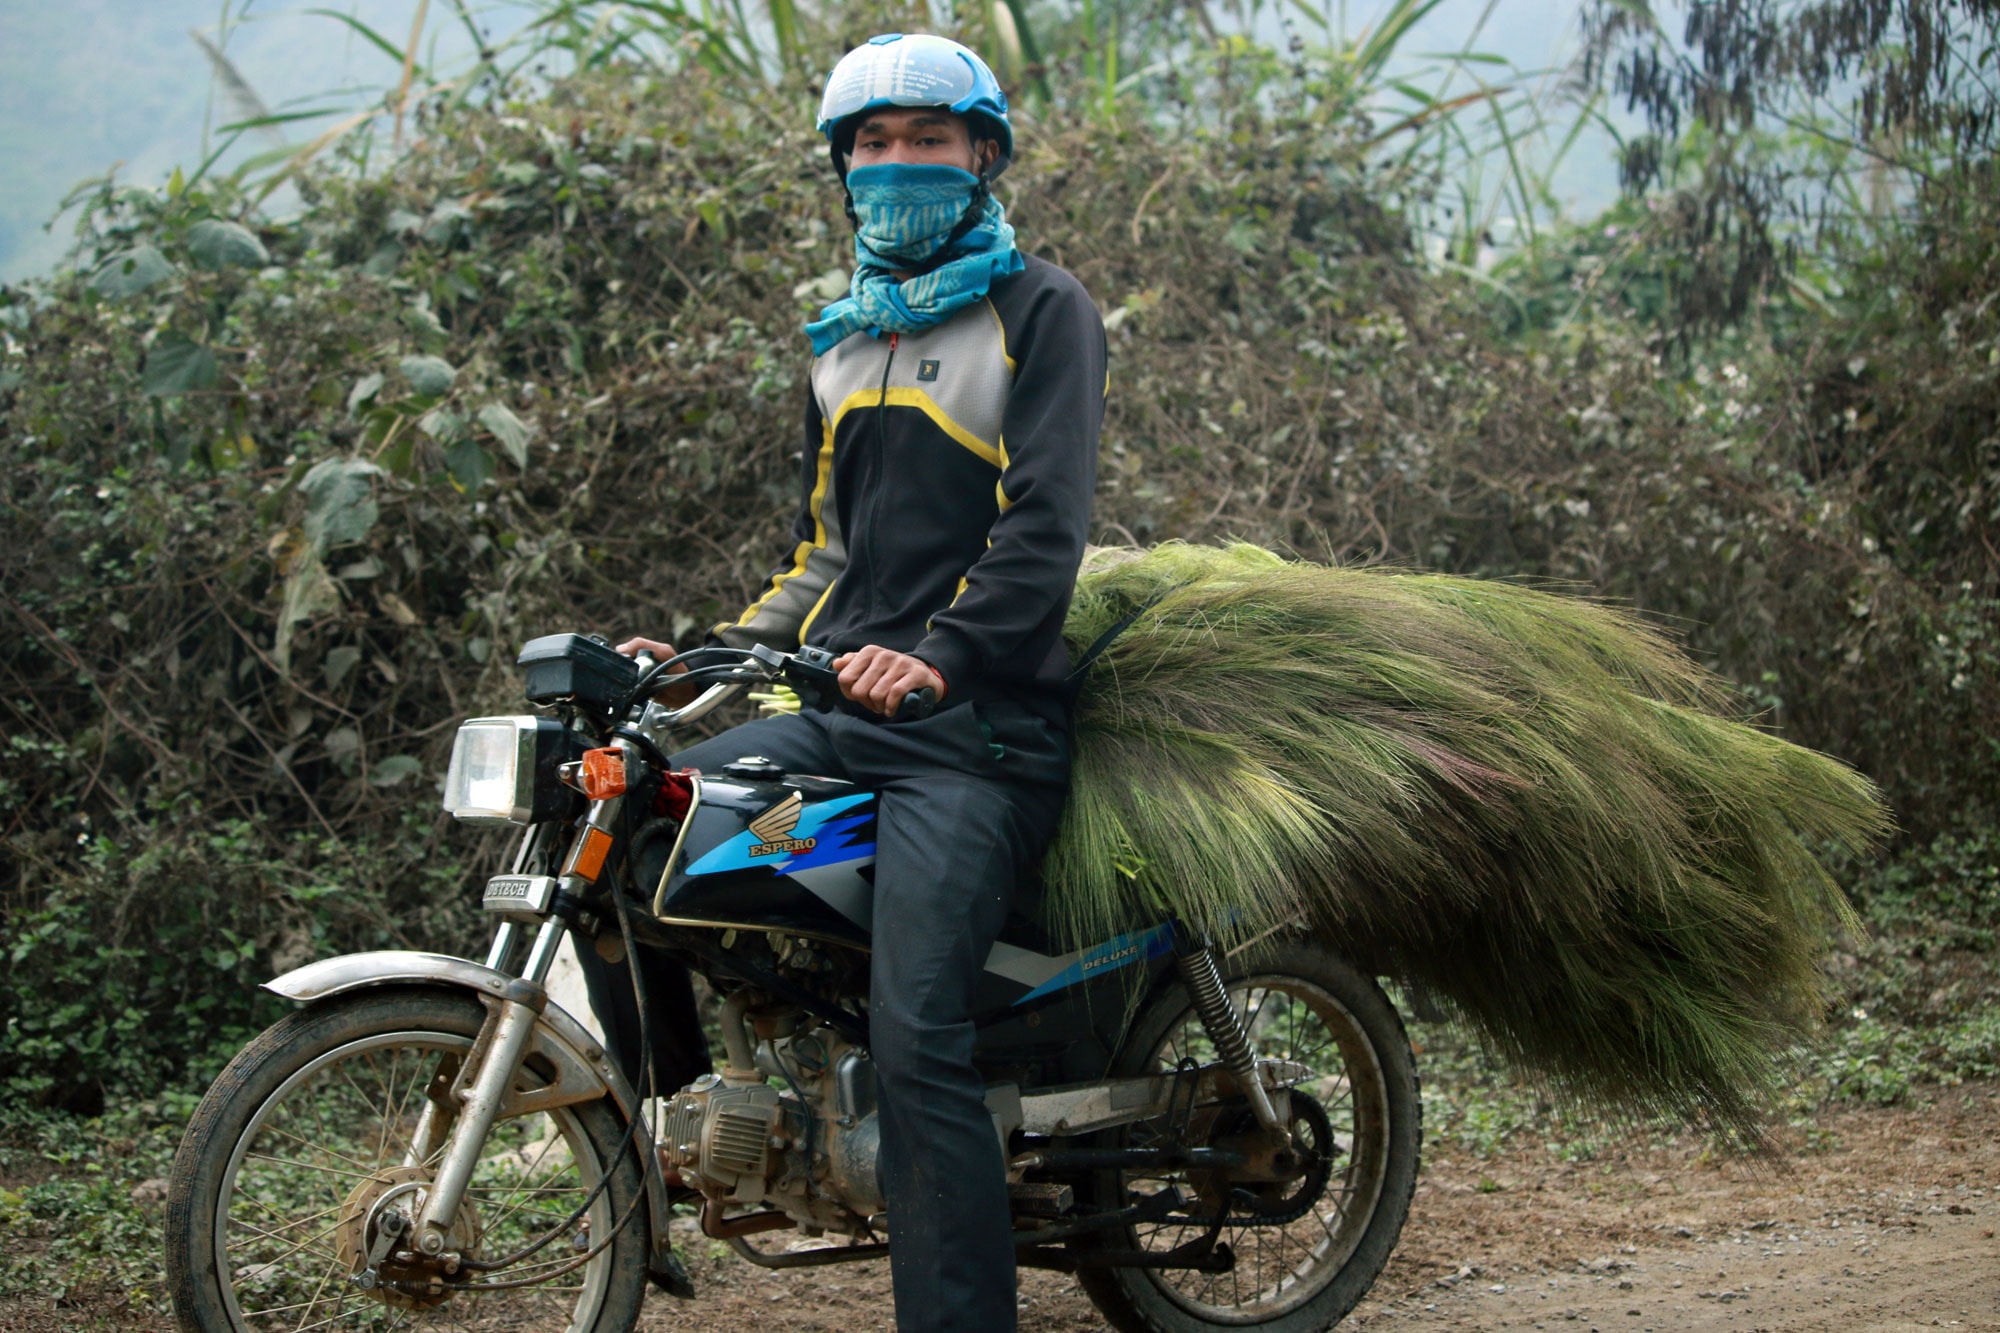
(284, 495)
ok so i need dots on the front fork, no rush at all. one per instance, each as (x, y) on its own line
(509, 1029)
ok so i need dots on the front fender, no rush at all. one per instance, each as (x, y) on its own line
(406, 967)
(567, 1045)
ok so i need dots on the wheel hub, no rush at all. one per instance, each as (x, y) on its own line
(402, 1278)
(1279, 1185)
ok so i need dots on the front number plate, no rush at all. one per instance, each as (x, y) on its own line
(519, 893)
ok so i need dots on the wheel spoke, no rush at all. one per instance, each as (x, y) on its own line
(1281, 1265)
(325, 1278)
(307, 1166)
(365, 1168)
(296, 1221)
(300, 1195)
(293, 1246)
(522, 1193)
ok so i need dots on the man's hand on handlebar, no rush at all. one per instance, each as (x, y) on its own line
(878, 678)
(671, 696)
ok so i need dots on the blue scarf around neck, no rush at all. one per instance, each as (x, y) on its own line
(906, 213)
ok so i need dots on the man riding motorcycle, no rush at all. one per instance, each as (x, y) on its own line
(950, 454)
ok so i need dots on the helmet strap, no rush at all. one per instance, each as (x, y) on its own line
(975, 209)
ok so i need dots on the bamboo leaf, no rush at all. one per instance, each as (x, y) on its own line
(1031, 50)
(1524, 212)
(278, 118)
(402, 98)
(785, 32)
(304, 155)
(366, 33)
(1380, 44)
(1312, 15)
(1464, 57)
(249, 106)
(1435, 111)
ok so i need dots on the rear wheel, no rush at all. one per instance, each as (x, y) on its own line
(302, 1148)
(1307, 1248)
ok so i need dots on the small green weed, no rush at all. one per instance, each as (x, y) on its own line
(81, 1201)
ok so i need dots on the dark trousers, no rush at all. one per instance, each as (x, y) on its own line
(968, 798)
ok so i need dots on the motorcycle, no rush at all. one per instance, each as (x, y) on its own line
(1203, 1138)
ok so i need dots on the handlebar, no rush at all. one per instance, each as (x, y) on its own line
(809, 671)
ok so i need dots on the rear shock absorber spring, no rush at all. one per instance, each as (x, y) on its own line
(1224, 1026)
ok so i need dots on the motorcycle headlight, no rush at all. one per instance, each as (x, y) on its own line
(503, 770)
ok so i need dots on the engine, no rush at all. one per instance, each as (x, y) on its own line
(808, 1150)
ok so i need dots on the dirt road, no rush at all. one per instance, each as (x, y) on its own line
(1888, 1225)
(1884, 1223)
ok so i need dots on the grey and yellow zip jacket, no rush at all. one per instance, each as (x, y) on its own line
(947, 480)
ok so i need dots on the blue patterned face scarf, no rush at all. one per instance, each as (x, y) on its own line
(907, 214)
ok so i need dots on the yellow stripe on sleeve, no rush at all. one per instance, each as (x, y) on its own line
(1000, 499)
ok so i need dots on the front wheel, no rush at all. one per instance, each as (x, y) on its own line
(305, 1144)
(1306, 1250)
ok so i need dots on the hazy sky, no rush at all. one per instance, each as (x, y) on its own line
(85, 84)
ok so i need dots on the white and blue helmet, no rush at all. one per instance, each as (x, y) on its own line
(914, 69)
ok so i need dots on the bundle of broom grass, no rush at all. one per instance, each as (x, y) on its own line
(1531, 806)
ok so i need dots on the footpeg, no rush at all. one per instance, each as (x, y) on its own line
(1036, 1199)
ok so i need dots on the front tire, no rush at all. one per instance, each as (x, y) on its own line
(1304, 1274)
(305, 1136)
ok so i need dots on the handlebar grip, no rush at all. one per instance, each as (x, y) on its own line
(916, 706)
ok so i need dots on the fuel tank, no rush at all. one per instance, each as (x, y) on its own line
(774, 851)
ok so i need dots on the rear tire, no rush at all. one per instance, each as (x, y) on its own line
(306, 1131)
(1304, 1275)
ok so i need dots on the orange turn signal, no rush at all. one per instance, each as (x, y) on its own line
(586, 859)
(603, 775)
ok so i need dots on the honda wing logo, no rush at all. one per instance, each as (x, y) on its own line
(773, 829)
